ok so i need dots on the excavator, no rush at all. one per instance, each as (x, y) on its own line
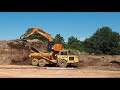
(51, 46)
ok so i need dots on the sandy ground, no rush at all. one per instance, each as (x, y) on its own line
(26, 71)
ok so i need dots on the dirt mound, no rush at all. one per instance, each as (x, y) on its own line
(99, 60)
(8, 54)
(15, 55)
(40, 46)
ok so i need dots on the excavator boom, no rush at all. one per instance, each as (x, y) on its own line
(56, 47)
(38, 30)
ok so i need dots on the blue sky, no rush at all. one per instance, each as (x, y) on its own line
(79, 24)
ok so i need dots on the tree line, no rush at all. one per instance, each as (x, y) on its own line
(103, 41)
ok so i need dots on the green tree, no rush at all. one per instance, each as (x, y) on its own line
(74, 43)
(103, 41)
(59, 40)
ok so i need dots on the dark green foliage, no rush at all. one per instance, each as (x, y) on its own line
(74, 43)
(103, 41)
(59, 40)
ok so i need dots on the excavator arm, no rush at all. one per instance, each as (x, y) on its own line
(41, 32)
(55, 47)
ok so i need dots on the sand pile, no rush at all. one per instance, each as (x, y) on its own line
(9, 55)
(99, 60)
(13, 55)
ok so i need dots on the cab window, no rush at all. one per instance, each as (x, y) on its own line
(63, 53)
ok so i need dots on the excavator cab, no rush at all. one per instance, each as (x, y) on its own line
(54, 47)
(50, 46)
(57, 47)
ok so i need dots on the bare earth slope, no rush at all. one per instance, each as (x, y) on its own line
(13, 55)
(10, 55)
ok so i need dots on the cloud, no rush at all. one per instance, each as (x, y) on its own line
(82, 38)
